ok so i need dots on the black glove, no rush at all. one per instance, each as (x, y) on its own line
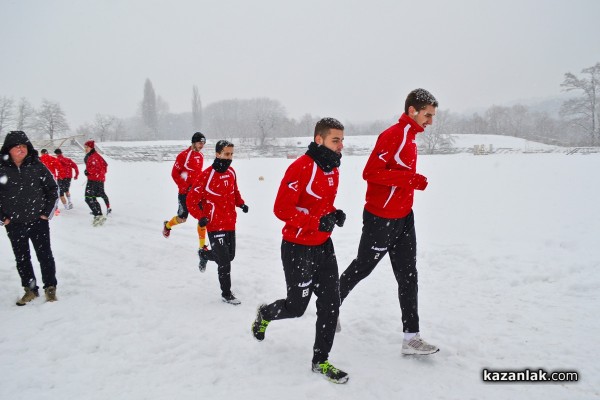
(202, 222)
(340, 218)
(327, 222)
(244, 208)
(206, 254)
(85, 172)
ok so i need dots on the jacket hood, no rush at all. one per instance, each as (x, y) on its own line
(14, 138)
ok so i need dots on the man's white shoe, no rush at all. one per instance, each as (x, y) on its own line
(418, 346)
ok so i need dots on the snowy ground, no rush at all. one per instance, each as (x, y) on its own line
(508, 261)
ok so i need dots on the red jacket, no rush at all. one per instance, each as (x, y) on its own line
(51, 163)
(214, 196)
(95, 166)
(306, 194)
(390, 168)
(187, 168)
(66, 167)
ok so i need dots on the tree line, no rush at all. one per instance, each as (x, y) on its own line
(260, 119)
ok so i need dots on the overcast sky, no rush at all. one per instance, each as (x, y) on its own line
(354, 60)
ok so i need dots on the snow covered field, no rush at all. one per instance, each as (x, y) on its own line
(509, 262)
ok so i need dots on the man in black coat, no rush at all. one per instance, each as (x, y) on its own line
(28, 198)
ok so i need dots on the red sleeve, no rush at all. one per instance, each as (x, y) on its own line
(376, 170)
(195, 196)
(74, 166)
(286, 203)
(238, 197)
(177, 170)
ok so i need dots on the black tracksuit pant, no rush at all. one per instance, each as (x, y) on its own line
(310, 269)
(222, 244)
(398, 238)
(38, 232)
(95, 189)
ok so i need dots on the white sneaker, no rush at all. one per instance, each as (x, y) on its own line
(99, 220)
(231, 299)
(416, 345)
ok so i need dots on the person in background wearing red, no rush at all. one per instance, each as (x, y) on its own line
(187, 168)
(95, 170)
(50, 162)
(65, 174)
(212, 201)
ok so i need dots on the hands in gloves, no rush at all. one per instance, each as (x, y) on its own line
(202, 222)
(340, 218)
(244, 208)
(328, 221)
(418, 182)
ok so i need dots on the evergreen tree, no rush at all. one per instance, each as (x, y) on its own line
(149, 113)
(196, 110)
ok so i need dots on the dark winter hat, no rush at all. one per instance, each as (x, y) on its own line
(198, 137)
(90, 144)
(58, 151)
(221, 144)
(15, 138)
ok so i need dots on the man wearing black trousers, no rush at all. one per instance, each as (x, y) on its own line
(388, 219)
(305, 203)
(28, 198)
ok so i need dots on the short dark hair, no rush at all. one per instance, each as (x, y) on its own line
(419, 99)
(44, 151)
(221, 144)
(58, 151)
(325, 124)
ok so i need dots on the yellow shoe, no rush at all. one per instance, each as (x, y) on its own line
(51, 293)
(29, 295)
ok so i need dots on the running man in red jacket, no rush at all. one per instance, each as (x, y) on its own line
(388, 219)
(187, 168)
(305, 203)
(50, 162)
(95, 170)
(212, 201)
(65, 174)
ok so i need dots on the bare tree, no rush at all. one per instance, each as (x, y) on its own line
(51, 119)
(6, 112)
(196, 110)
(103, 125)
(25, 115)
(438, 136)
(268, 115)
(584, 111)
(498, 120)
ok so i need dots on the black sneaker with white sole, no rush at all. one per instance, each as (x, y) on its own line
(231, 299)
(331, 373)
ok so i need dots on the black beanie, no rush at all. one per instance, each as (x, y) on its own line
(198, 137)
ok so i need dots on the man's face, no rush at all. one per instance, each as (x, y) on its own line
(424, 117)
(197, 146)
(334, 141)
(18, 153)
(226, 153)
(86, 149)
